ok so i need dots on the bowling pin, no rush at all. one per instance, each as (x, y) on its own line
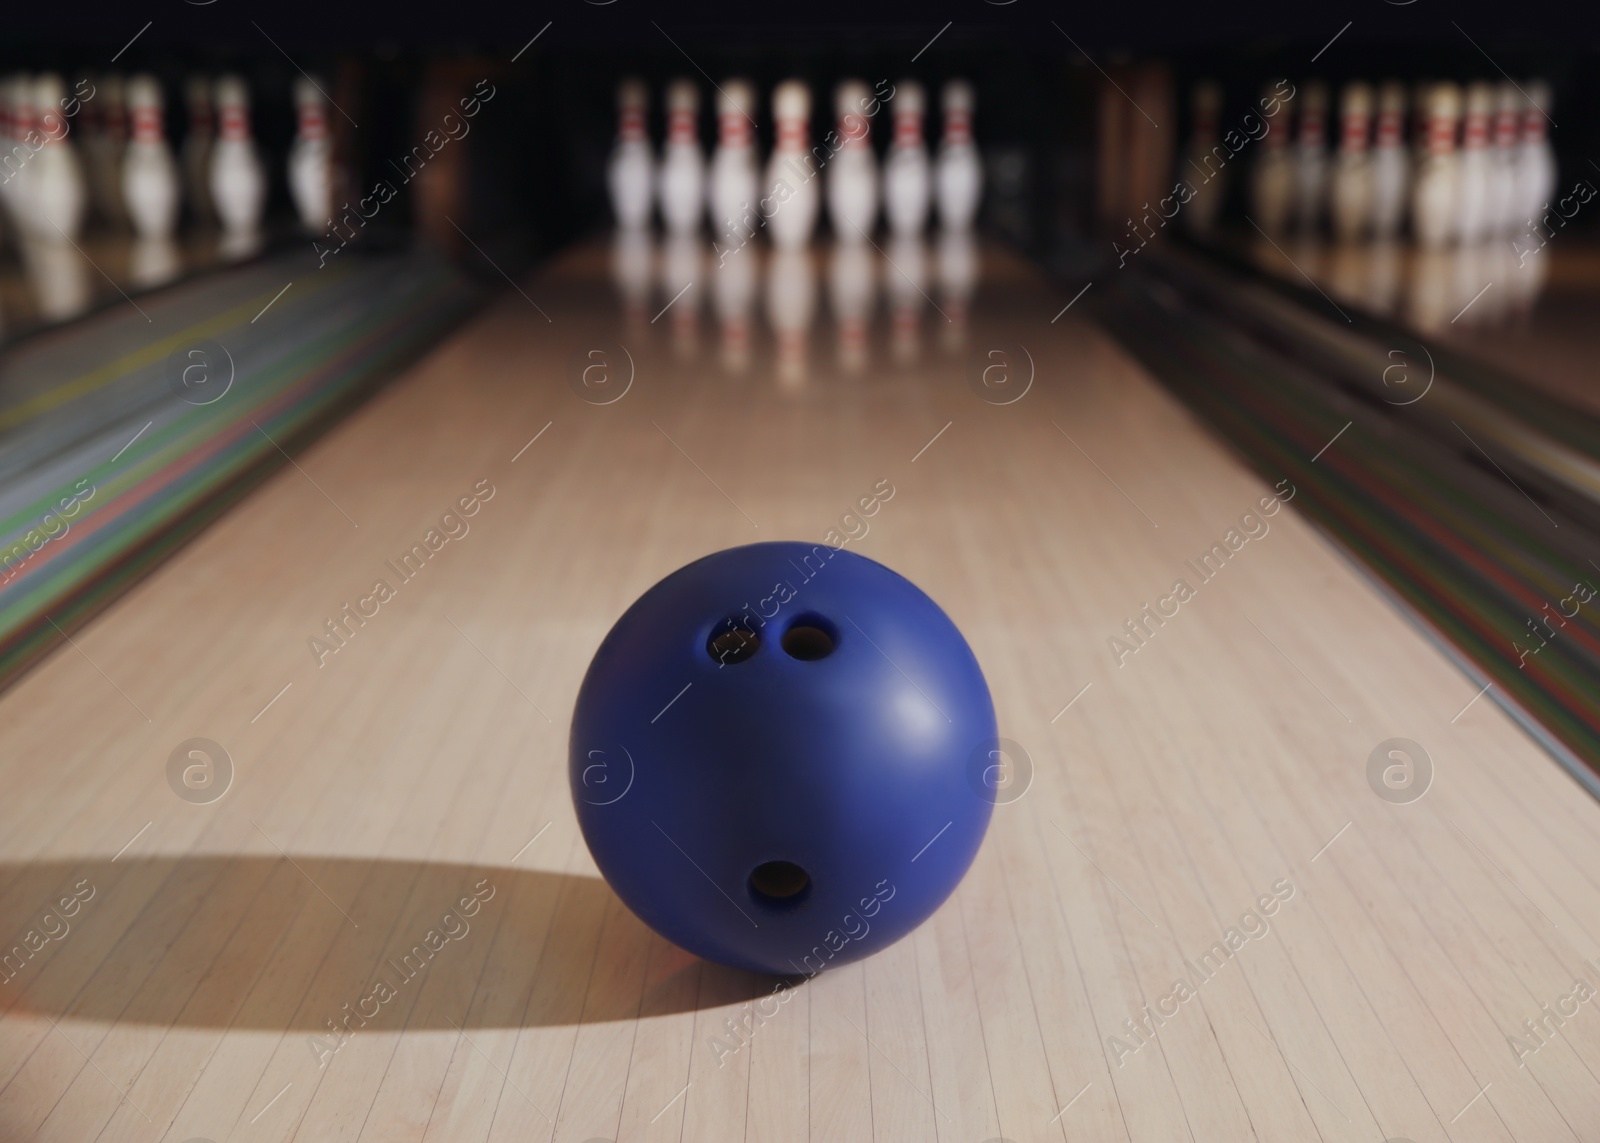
(197, 143)
(628, 172)
(1536, 160)
(853, 172)
(852, 287)
(907, 180)
(958, 277)
(1503, 217)
(1200, 169)
(58, 192)
(1472, 186)
(681, 181)
(1272, 176)
(682, 283)
(733, 295)
(1350, 194)
(906, 276)
(149, 173)
(958, 174)
(1434, 194)
(732, 181)
(311, 158)
(791, 306)
(1311, 157)
(1391, 162)
(1419, 122)
(792, 192)
(238, 184)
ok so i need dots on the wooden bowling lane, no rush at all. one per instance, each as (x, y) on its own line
(1197, 810)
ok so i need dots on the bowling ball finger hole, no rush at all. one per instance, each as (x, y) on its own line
(808, 638)
(732, 644)
(779, 883)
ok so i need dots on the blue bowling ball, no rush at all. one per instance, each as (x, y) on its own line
(782, 757)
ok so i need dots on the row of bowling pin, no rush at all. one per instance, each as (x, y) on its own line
(133, 176)
(786, 202)
(674, 275)
(1479, 165)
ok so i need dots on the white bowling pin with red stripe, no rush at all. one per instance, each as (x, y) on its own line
(907, 177)
(792, 192)
(1391, 162)
(58, 192)
(238, 183)
(853, 172)
(630, 169)
(732, 180)
(681, 178)
(149, 172)
(791, 306)
(1434, 217)
(958, 175)
(311, 157)
(1472, 188)
(1503, 204)
(1272, 175)
(1311, 157)
(1536, 160)
(1350, 194)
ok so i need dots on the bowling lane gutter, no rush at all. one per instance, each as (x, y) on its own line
(1442, 531)
(1361, 358)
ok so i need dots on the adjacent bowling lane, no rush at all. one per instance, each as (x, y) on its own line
(293, 856)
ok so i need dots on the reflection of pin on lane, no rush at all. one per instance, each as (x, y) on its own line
(733, 295)
(633, 272)
(852, 287)
(682, 267)
(958, 277)
(906, 278)
(791, 305)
